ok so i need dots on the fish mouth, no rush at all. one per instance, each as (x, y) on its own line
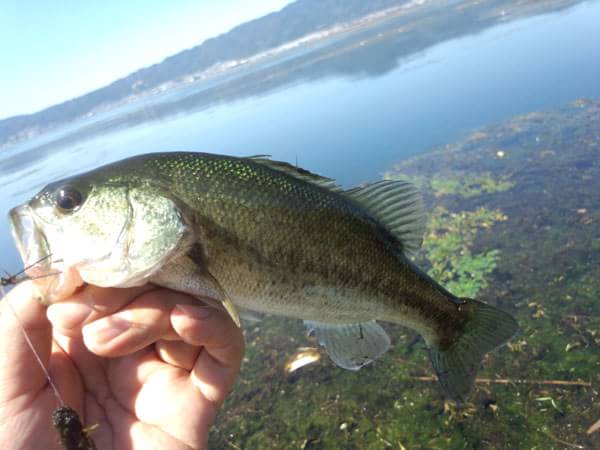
(52, 279)
(30, 240)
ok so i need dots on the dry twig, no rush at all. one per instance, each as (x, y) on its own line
(595, 427)
(517, 381)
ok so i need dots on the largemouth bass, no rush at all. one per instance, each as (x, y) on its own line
(264, 236)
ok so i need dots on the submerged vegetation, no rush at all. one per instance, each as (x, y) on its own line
(514, 221)
(448, 248)
(462, 184)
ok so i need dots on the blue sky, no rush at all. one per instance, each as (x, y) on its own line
(51, 51)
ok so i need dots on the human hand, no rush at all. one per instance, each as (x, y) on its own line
(148, 365)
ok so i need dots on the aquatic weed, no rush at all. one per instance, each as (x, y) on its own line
(448, 247)
(458, 183)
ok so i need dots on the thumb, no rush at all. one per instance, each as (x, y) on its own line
(20, 372)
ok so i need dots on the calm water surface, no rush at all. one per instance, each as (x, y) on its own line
(347, 116)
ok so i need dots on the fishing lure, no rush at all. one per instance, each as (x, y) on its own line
(73, 436)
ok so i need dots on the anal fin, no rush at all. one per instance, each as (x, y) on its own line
(351, 346)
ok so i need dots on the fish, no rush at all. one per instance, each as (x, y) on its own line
(264, 236)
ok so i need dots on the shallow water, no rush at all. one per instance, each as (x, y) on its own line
(519, 196)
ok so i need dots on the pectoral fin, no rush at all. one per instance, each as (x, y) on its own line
(184, 275)
(230, 308)
(351, 346)
(223, 297)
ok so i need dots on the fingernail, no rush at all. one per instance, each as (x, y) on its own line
(106, 329)
(68, 315)
(197, 312)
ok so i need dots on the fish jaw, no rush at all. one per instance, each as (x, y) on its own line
(30, 240)
(52, 278)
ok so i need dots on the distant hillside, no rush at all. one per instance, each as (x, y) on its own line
(294, 21)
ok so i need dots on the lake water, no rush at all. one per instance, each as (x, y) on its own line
(348, 114)
(351, 107)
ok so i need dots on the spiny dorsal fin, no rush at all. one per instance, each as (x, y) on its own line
(297, 172)
(398, 206)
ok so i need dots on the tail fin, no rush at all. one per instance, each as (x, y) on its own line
(456, 366)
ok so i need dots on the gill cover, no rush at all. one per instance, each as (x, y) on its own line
(156, 234)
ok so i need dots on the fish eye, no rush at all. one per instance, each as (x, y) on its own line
(68, 199)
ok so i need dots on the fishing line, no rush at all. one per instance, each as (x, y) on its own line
(33, 350)
(66, 421)
(15, 279)
(64, 418)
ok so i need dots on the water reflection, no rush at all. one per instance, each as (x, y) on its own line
(369, 52)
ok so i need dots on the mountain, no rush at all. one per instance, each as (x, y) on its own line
(292, 22)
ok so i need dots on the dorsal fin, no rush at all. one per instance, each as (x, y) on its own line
(297, 172)
(398, 206)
